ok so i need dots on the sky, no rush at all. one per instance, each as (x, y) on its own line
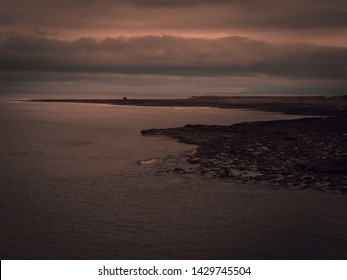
(174, 46)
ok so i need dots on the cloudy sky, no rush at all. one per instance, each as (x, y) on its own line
(174, 46)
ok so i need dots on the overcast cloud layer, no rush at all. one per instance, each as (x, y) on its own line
(167, 55)
(296, 43)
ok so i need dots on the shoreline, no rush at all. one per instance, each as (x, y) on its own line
(304, 153)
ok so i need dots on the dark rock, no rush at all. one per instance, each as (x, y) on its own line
(312, 155)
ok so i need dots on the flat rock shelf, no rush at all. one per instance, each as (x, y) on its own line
(304, 153)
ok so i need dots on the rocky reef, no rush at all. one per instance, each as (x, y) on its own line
(304, 153)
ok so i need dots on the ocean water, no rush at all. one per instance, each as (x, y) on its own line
(79, 181)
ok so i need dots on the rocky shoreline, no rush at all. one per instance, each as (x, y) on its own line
(304, 153)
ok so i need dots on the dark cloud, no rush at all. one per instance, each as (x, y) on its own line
(270, 4)
(65, 40)
(168, 55)
(141, 3)
(142, 15)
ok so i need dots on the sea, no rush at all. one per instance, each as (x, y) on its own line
(79, 181)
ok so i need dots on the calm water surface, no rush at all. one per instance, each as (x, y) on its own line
(72, 188)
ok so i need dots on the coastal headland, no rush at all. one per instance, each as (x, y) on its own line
(303, 153)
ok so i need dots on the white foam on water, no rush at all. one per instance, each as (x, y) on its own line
(148, 161)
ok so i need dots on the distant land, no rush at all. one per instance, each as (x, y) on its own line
(298, 105)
